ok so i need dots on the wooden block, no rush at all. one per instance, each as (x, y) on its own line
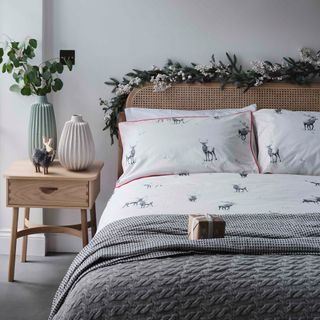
(205, 227)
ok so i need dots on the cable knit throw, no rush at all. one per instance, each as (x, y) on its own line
(267, 267)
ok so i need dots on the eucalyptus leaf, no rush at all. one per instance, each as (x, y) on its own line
(53, 68)
(15, 88)
(46, 75)
(26, 91)
(16, 63)
(16, 77)
(12, 56)
(26, 78)
(32, 75)
(9, 67)
(37, 81)
(15, 44)
(33, 43)
(59, 67)
(28, 51)
(58, 84)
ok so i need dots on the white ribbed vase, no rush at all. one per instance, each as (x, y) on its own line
(76, 147)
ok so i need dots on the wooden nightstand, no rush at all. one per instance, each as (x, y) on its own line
(58, 189)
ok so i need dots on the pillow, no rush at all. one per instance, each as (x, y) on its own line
(288, 141)
(187, 145)
(134, 114)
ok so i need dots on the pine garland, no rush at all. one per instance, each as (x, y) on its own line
(302, 72)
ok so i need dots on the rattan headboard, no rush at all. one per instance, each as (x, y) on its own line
(210, 96)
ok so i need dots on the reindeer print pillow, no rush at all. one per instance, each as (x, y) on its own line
(187, 145)
(288, 141)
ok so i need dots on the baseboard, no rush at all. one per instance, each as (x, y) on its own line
(36, 243)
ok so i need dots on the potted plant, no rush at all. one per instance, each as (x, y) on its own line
(36, 80)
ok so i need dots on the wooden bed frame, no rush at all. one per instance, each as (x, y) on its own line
(210, 96)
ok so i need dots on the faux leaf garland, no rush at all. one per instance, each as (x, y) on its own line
(302, 72)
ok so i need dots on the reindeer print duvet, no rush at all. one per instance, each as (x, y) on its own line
(141, 265)
(216, 193)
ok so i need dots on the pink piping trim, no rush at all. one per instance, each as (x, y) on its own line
(186, 117)
(251, 134)
(164, 118)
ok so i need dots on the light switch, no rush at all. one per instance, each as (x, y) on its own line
(67, 55)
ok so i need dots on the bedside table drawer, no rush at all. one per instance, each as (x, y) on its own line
(49, 193)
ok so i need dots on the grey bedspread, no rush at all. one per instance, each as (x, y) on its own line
(267, 267)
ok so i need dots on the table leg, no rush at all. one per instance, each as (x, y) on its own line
(84, 227)
(25, 239)
(93, 220)
(12, 258)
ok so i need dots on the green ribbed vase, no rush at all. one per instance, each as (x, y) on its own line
(42, 123)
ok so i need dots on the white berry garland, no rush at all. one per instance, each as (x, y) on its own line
(302, 71)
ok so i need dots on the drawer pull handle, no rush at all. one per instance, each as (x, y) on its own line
(48, 190)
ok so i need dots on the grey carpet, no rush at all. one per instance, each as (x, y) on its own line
(31, 294)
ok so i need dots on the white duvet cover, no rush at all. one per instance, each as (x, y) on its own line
(215, 193)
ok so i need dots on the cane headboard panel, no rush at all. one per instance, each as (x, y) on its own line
(210, 96)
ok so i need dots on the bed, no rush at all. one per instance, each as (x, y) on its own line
(141, 265)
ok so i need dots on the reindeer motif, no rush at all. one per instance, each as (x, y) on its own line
(45, 156)
(278, 111)
(226, 206)
(243, 132)
(309, 124)
(133, 203)
(315, 201)
(274, 155)
(185, 173)
(130, 158)
(243, 174)
(193, 198)
(208, 153)
(127, 205)
(237, 188)
(177, 121)
(316, 184)
(144, 204)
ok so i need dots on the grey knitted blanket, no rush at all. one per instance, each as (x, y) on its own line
(267, 267)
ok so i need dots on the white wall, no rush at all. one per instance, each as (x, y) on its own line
(112, 36)
(18, 19)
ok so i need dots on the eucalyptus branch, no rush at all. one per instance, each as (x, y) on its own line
(32, 85)
(38, 80)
